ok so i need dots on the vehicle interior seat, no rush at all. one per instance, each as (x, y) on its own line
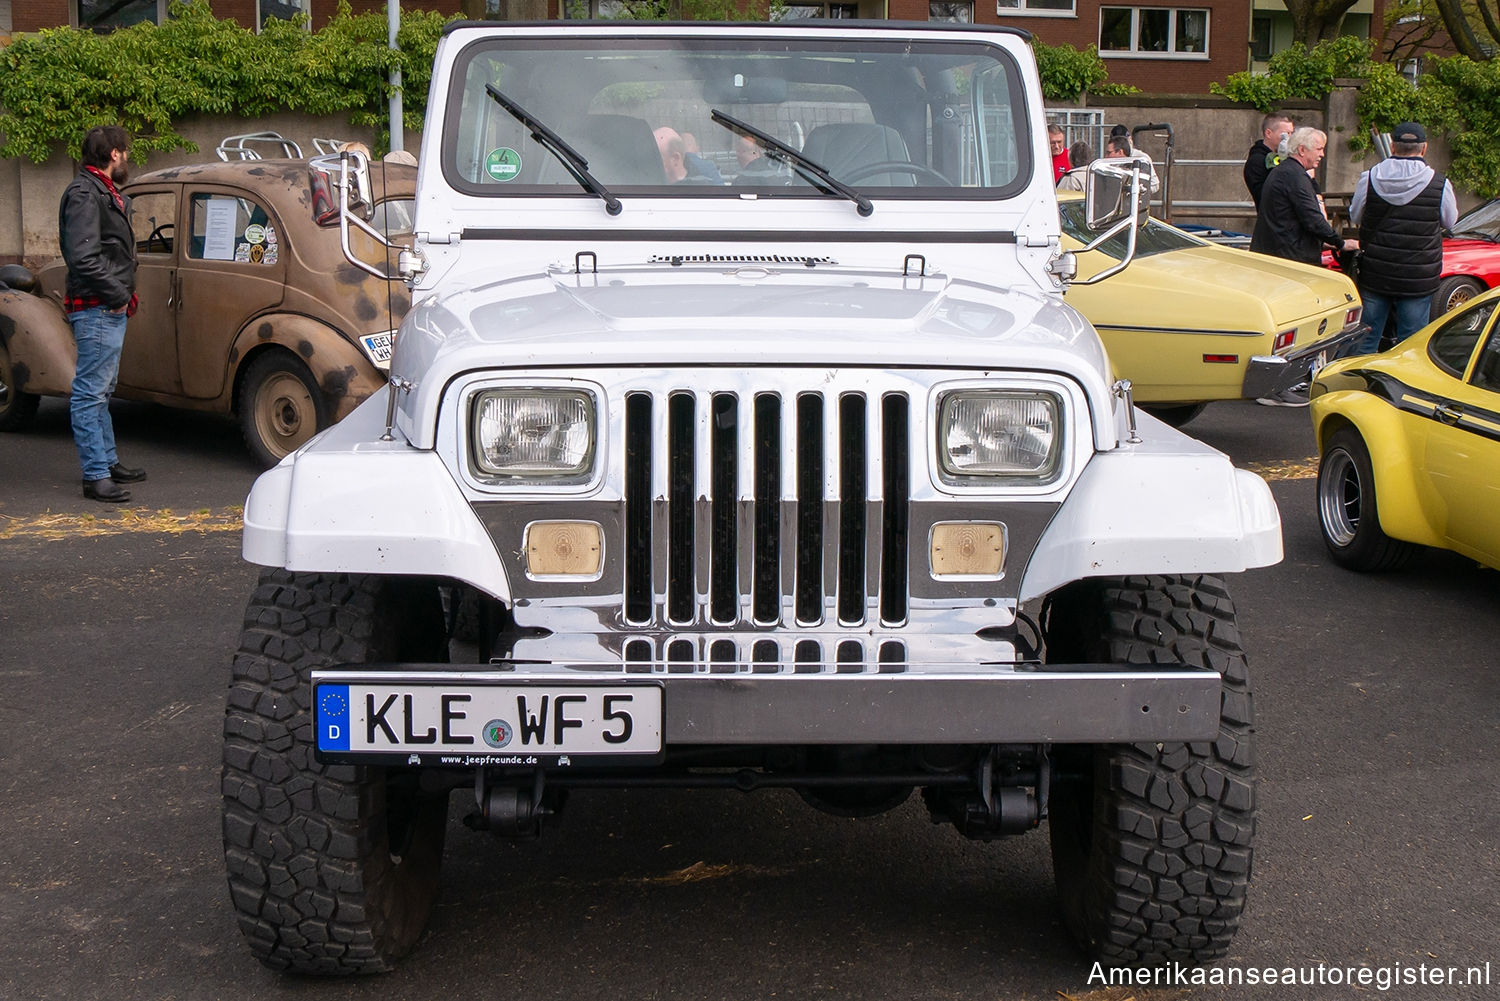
(845, 147)
(620, 149)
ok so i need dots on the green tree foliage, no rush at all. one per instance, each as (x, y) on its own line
(1067, 73)
(55, 85)
(1457, 96)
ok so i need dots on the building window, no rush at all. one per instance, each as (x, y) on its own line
(1260, 37)
(1153, 31)
(962, 12)
(1034, 6)
(107, 15)
(282, 10)
(804, 11)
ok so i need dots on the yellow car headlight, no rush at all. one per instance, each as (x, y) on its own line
(534, 434)
(999, 437)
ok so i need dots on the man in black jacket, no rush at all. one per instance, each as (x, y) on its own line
(1402, 207)
(1291, 222)
(1265, 154)
(98, 245)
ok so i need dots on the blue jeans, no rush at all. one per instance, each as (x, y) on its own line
(1411, 316)
(100, 335)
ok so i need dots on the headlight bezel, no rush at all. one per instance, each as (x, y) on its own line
(1055, 468)
(581, 476)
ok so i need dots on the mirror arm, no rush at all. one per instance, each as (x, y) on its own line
(346, 216)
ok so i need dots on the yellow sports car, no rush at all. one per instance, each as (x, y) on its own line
(1410, 444)
(1190, 322)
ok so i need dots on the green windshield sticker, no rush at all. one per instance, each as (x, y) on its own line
(502, 164)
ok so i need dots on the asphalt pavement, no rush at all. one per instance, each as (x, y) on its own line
(1376, 700)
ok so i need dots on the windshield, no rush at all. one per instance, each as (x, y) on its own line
(1152, 238)
(908, 119)
(1483, 221)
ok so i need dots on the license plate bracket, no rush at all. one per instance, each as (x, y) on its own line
(456, 722)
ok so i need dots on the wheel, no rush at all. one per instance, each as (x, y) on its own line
(333, 869)
(280, 407)
(1347, 510)
(16, 408)
(162, 235)
(1452, 293)
(894, 167)
(1177, 415)
(1151, 843)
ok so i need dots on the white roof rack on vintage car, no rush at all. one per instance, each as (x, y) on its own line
(243, 147)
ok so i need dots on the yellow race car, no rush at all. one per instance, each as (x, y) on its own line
(1190, 322)
(1410, 444)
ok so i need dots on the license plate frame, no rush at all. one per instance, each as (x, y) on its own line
(380, 346)
(467, 722)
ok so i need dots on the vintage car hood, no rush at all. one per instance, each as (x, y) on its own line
(712, 316)
(1211, 288)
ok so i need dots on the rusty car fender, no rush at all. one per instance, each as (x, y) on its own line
(36, 334)
(346, 376)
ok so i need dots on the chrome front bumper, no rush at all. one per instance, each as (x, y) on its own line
(1270, 374)
(957, 704)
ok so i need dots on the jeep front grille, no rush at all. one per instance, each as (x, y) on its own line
(765, 509)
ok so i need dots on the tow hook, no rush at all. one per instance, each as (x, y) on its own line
(512, 811)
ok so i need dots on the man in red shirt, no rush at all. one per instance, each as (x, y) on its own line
(1059, 144)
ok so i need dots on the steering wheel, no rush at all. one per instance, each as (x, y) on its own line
(161, 234)
(894, 167)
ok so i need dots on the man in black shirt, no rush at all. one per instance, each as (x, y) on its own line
(1291, 222)
(1265, 153)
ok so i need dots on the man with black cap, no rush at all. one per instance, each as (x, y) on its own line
(1401, 206)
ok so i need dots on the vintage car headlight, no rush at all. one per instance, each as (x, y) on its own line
(534, 434)
(1009, 436)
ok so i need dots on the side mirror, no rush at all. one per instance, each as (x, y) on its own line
(1116, 189)
(326, 178)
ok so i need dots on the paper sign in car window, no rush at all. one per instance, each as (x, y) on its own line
(219, 229)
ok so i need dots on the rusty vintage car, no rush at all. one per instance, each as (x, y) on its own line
(248, 304)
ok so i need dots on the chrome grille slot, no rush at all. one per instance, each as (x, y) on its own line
(784, 507)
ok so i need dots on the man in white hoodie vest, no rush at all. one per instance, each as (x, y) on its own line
(1401, 206)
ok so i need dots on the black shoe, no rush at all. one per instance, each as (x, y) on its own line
(124, 474)
(106, 490)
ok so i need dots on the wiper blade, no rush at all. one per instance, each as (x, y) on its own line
(553, 143)
(810, 169)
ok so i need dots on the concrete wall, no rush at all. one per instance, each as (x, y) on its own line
(29, 192)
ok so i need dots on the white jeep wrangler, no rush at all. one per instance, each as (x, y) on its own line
(781, 463)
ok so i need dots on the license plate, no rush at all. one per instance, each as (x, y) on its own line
(379, 346)
(467, 724)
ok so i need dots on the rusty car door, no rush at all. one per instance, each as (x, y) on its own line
(149, 360)
(234, 266)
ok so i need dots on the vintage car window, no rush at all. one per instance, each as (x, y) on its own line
(152, 217)
(1452, 345)
(913, 119)
(1483, 222)
(1153, 238)
(1487, 364)
(228, 228)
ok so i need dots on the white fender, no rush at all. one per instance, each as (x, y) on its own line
(347, 502)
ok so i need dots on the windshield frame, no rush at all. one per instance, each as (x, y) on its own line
(749, 44)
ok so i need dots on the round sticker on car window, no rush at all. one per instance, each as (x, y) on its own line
(255, 233)
(502, 164)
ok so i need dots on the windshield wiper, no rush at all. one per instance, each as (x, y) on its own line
(552, 143)
(811, 169)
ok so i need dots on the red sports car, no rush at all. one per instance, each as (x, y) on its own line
(1471, 258)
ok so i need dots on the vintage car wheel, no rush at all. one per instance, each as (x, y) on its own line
(1347, 510)
(332, 869)
(1151, 843)
(280, 407)
(16, 408)
(1453, 293)
(1176, 416)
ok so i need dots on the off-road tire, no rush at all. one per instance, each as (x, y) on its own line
(1151, 843)
(1348, 514)
(280, 407)
(333, 869)
(17, 409)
